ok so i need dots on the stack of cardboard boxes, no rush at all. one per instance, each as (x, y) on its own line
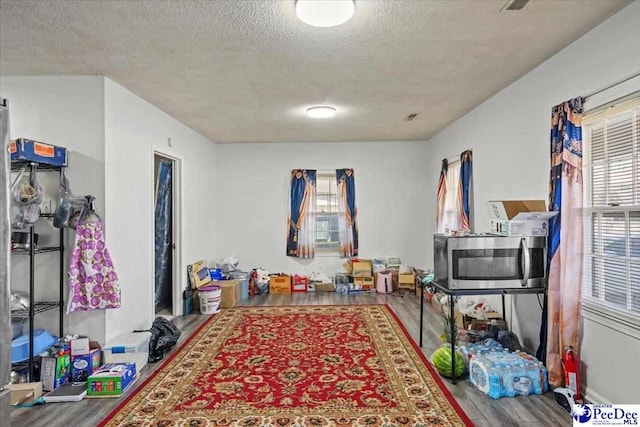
(407, 280)
(466, 322)
(360, 271)
(199, 276)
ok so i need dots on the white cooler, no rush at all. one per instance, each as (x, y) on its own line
(132, 347)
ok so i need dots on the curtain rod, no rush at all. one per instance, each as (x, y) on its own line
(632, 76)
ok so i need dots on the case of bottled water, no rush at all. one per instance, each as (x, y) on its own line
(503, 374)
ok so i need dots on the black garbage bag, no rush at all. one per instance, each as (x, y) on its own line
(509, 340)
(164, 335)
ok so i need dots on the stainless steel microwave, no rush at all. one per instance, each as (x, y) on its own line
(489, 262)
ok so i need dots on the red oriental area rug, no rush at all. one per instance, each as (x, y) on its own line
(294, 366)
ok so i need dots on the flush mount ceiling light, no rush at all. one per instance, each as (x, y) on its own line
(324, 13)
(321, 112)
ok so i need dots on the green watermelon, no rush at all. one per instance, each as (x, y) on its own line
(441, 359)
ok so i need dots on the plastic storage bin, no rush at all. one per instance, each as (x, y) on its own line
(132, 347)
(42, 340)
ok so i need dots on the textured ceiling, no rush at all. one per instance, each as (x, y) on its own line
(246, 70)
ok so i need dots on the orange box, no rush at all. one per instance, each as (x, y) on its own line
(280, 284)
(364, 283)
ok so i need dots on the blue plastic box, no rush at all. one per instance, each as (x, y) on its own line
(216, 274)
(39, 152)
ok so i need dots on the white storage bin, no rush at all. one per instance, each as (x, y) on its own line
(132, 347)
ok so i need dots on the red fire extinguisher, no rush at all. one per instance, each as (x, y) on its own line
(571, 370)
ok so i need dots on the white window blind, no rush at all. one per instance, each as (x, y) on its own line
(611, 168)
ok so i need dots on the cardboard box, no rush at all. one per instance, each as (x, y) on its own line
(530, 224)
(407, 281)
(363, 283)
(467, 322)
(519, 217)
(198, 274)
(325, 287)
(82, 345)
(111, 379)
(83, 365)
(79, 346)
(230, 292)
(393, 263)
(394, 279)
(461, 321)
(483, 325)
(40, 152)
(435, 301)
(358, 267)
(55, 371)
(280, 284)
(25, 393)
(361, 268)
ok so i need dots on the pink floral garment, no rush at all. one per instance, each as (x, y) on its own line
(92, 278)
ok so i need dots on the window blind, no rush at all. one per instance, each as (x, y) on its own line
(611, 169)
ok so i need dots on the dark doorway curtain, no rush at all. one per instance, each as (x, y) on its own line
(163, 232)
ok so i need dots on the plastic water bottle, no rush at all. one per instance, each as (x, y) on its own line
(495, 380)
(544, 377)
(522, 381)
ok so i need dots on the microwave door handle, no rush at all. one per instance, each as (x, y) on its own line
(526, 257)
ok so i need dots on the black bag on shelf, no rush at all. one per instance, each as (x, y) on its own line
(164, 335)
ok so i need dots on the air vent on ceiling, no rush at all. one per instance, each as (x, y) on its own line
(515, 4)
(411, 117)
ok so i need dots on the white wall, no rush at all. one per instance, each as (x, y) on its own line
(253, 190)
(111, 135)
(133, 129)
(509, 135)
(65, 111)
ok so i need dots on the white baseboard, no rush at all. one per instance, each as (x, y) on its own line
(593, 397)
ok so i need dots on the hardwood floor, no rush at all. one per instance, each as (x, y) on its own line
(519, 411)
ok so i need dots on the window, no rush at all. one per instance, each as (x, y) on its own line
(451, 214)
(327, 213)
(611, 168)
